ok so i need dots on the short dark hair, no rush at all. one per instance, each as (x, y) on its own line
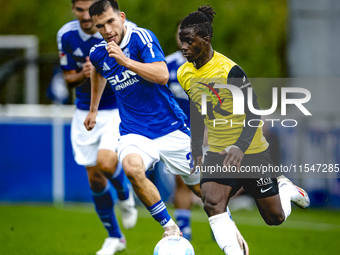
(201, 21)
(73, 1)
(100, 6)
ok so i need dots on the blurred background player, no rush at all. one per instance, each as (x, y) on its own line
(95, 150)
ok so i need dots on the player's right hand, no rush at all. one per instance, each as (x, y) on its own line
(87, 66)
(90, 120)
(233, 158)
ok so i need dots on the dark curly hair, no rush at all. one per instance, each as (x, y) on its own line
(201, 21)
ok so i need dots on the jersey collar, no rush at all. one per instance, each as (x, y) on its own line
(126, 38)
(85, 36)
(207, 66)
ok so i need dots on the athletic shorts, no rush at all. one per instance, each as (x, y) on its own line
(173, 149)
(258, 185)
(104, 135)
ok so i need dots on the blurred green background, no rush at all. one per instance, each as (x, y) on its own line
(251, 33)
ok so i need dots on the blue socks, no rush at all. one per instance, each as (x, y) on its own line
(159, 212)
(183, 219)
(120, 182)
(104, 207)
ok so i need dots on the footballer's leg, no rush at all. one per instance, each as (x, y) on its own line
(104, 206)
(276, 208)
(182, 204)
(134, 166)
(218, 206)
(107, 160)
(271, 210)
(215, 197)
(85, 148)
(216, 193)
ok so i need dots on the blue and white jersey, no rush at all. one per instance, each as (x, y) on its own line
(145, 108)
(174, 61)
(74, 46)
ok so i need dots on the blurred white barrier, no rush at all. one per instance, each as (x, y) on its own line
(30, 43)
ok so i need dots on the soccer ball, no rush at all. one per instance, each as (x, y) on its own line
(174, 245)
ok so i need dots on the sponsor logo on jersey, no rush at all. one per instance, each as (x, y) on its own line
(124, 80)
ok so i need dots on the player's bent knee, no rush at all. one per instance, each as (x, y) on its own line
(107, 166)
(133, 167)
(107, 161)
(97, 181)
(213, 207)
(275, 219)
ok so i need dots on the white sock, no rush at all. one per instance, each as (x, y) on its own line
(169, 223)
(285, 194)
(224, 231)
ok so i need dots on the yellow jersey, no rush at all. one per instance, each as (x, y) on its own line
(224, 127)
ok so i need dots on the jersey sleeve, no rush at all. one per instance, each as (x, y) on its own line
(238, 78)
(148, 45)
(94, 58)
(65, 53)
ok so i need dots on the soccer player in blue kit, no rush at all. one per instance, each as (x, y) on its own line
(152, 124)
(95, 150)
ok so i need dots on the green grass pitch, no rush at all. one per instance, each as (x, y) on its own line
(75, 229)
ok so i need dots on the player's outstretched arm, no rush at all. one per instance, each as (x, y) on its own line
(98, 83)
(156, 72)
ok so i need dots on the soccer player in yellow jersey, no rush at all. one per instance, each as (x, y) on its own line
(233, 140)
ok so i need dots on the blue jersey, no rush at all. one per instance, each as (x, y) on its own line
(174, 61)
(74, 46)
(145, 108)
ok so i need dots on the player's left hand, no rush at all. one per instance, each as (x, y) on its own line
(116, 52)
(233, 158)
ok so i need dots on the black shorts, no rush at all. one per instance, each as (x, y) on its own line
(259, 185)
